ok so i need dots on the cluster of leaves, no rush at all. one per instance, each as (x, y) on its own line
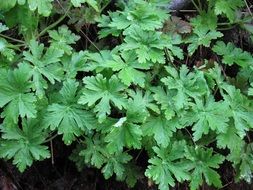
(137, 95)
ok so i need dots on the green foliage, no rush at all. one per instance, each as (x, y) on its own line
(44, 7)
(43, 66)
(184, 86)
(168, 163)
(232, 55)
(62, 39)
(92, 3)
(67, 116)
(15, 95)
(23, 145)
(227, 8)
(204, 162)
(206, 115)
(104, 90)
(135, 82)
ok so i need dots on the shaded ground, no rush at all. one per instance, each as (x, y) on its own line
(62, 175)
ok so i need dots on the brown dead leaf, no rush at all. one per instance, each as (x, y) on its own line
(177, 25)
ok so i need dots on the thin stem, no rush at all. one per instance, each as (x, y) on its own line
(13, 39)
(51, 138)
(196, 6)
(101, 10)
(92, 43)
(54, 24)
(246, 3)
(52, 152)
(200, 5)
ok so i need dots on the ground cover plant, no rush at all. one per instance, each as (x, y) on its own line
(135, 89)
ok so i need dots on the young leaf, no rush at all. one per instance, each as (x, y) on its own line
(203, 163)
(143, 101)
(116, 163)
(95, 152)
(129, 68)
(67, 116)
(3, 27)
(160, 128)
(126, 135)
(202, 36)
(23, 145)
(73, 64)
(163, 97)
(207, 115)
(166, 164)
(139, 13)
(44, 6)
(15, 94)
(250, 91)
(185, 85)
(232, 55)
(148, 45)
(92, 3)
(240, 108)
(228, 139)
(100, 92)
(242, 162)
(63, 38)
(43, 66)
(6, 51)
(228, 8)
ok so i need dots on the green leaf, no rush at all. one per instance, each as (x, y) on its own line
(101, 92)
(23, 145)
(250, 91)
(6, 5)
(203, 163)
(15, 94)
(67, 116)
(116, 164)
(73, 64)
(185, 85)
(160, 128)
(205, 19)
(228, 139)
(43, 66)
(240, 108)
(62, 39)
(44, 7)
(3, 27)
(202, 36)
(25, 19)
(228, 8)
(242, 162)
(95, 152)
(125, 135)
(207, 115)
(141, 102)
(92, 3)
(141, 14)
(232, 55)
(6, 51)
(98, 61)
(163, 97)
(129, 68)
(166, 164)
(148, 45)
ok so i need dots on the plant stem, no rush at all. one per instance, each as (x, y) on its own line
(51, 138)
(196, 6)
(54, 24)
(13, 39)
